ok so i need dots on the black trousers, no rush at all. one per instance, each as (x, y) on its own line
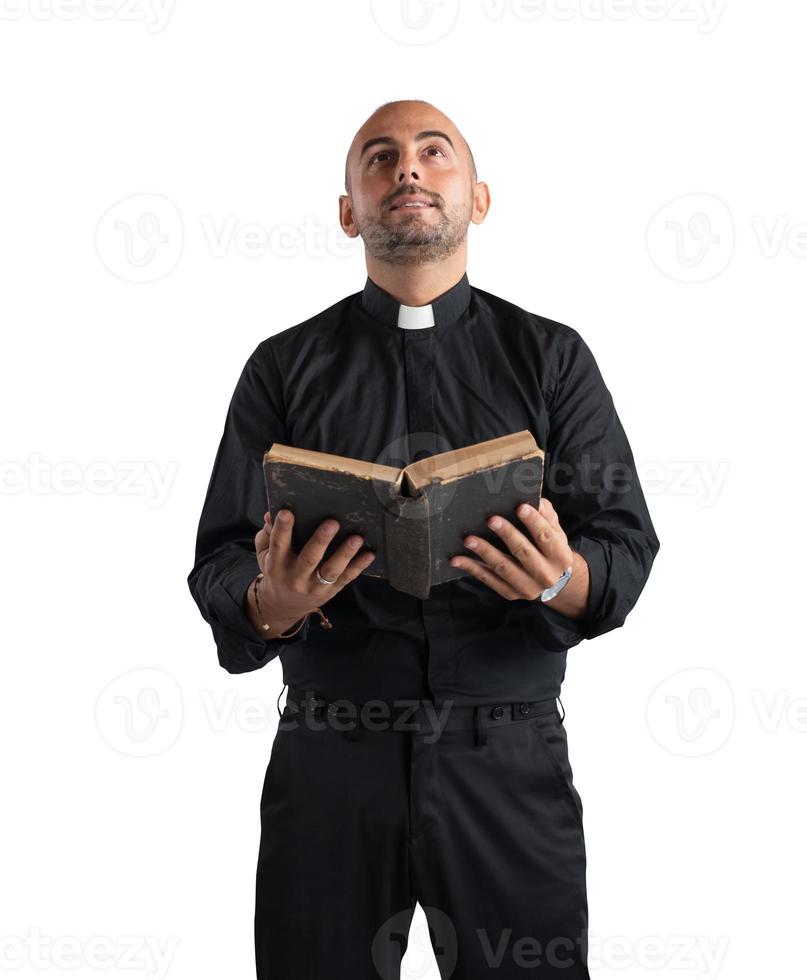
(470, 811)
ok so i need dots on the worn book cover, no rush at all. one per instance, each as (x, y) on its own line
(413, 519)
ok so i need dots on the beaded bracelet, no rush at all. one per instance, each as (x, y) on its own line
(324, 622)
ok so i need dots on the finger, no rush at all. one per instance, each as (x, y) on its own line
(547, 510)
(487, 575)
(336, 565)
(353, 569)
(262, 537)
(518, 576)
(549, 537)
(312, 552)
(280, 538)
(544, 508)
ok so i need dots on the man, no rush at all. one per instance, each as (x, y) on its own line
(421, 755)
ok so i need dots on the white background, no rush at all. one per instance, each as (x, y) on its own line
(130, 815)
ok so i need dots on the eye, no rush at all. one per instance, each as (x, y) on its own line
(381, 154)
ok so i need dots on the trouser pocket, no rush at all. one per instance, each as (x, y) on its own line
(550, 736)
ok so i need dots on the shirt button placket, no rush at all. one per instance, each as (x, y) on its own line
(419, 355)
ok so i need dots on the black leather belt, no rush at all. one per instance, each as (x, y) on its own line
(416, 715)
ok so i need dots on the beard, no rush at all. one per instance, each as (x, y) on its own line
(415, 241)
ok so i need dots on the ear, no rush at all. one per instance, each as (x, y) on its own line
(481, 202)
(346, 217)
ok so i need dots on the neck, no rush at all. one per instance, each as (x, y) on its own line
(417, 285)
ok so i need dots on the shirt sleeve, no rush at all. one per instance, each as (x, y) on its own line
(225, 560)
(592, 483)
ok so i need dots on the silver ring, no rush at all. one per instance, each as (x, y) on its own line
(325, 581)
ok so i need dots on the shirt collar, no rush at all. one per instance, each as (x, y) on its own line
(415, 317)
(442, 311)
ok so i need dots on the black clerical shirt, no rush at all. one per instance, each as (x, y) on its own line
(351, 381)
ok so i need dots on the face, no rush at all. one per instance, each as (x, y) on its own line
(412, 191)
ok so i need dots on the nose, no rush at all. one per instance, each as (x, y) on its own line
(407, 167)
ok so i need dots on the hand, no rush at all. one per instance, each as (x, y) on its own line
(290, 588)
(538, 560)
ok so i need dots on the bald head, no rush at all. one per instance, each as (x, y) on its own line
(429, 118)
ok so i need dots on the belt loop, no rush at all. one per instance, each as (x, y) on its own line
(564, 710)
(312, 704)
(480, 727)
(282, 689)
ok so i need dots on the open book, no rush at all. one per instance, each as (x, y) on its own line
(413, 519)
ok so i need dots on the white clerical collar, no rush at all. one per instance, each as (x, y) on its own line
(446, 309)
(415, 317)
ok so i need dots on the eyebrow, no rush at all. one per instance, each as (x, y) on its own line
(389, 141)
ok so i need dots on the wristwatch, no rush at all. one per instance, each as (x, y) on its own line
(553, 590)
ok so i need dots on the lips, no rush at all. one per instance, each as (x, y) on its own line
(412, 203)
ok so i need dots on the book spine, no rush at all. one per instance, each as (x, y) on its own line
(440, 523)
(406, 529)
